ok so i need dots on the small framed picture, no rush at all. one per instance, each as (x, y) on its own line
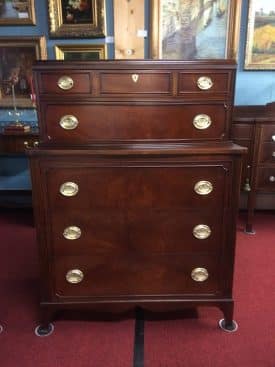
(80, 52)
(17, 12)
(260, 43)
(17, 55)
(76, 18)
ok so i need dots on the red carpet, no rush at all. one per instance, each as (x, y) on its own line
(73, 343)
(198, 342)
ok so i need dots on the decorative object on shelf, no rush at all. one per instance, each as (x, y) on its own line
(17, 55)
(76, 18)
(189, 30)
(19, 12)
(260, 43)
(80, 52)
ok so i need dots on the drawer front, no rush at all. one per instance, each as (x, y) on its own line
(204, 83)
(65, 83)
(134, 274)
(135, 82)
(241, 131)
(141, 122)
(267, 153)
(266, 179)
(268, 133)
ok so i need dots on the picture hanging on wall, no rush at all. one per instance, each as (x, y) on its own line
(194, 29)
(17, 12)
(80, 52)
(76, 18)
(260, 44)
(17, 55)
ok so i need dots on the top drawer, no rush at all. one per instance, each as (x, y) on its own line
(268, 133)
(65, 82)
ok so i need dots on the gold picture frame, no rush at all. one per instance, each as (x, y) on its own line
(260, 42)
(76, 18)
(80, 52)
(186, 30)
(17, 12)
(17, 55)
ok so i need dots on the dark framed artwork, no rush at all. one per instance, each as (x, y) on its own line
(260, 43)
(17, 12)
(17, 55)
(76, 18)
(80, 52)
(194, 29)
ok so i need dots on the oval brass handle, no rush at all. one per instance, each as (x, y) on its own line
(69, 189)
(273, 154)
(203, 187)
(272, 178)
(68, 122)
(205, 83)
(273, 137)
(65, 82)
(28, 145)
(72, 233)
(202, 121)
(74, 276)
(199, 274)
(201, 231)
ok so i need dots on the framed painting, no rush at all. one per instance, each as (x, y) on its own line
(16, 59)
(260, 44)
(17, 12)
(80, 52)
(76, 18)
(194, 29)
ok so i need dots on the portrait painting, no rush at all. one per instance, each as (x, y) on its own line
(260, 45)
(17, 12)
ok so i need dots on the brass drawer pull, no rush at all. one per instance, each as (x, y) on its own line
(69, 189)
(74, 276)
(272, 178)
(273, 154)
(135, 77)
(68, 122)
(205, 83)
(273, 137)
(203, 187)
(72, 233)
(28, 145)
(65, 82)
(199, 274)
(202, 121)
(201, 231)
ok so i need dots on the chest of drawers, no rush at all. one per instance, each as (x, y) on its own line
(135, 185)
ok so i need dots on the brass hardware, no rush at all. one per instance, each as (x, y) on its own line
(65, 82)
(201, 231)
(273, 137)
(68, 122)
(273, 154)
(199, 274)
(74, 276)
(205, 83)
(135, 77)
(202, 121)
(72, 233)
(69, 189)
(247, 186)
(272, 178)
(203, 187)
(28, 145)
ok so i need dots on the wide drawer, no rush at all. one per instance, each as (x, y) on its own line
(65, 82)
(134, 274)
(79, 124)
(241, 131)
(267, 153)
(266, 179)
(268, 133)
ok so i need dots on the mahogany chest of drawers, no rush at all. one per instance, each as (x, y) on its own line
(135, 185)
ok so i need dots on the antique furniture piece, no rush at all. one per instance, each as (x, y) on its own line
(254, 127)
(135, 186)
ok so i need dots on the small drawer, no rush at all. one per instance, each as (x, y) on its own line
(241, 131)
(139, 274)
(268, 133)
(136, 83)
(266, 179)
(65, 83)
(267, 153)
(204, 82)
(76, 124)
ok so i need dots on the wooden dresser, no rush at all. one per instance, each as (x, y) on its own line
(135, 186)
(254, 127)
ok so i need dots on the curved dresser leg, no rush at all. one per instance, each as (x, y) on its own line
(46, 327)
(227, 323)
